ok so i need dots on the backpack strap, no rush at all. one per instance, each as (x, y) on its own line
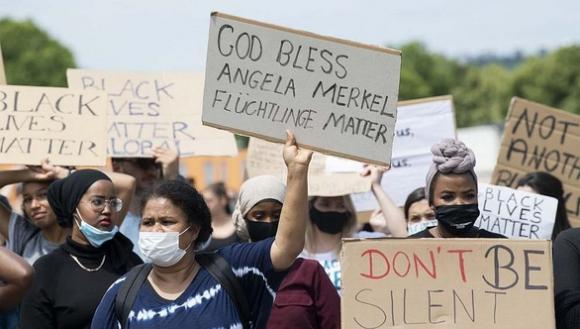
(220, 269)
(128, 291)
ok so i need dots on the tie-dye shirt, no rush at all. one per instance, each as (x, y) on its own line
(204, 303)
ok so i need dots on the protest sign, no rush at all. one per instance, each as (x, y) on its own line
(420, 124)
(541, 138)
(338, 97)
(64, 125)
(2, 71)
(147, 110)
(447, 283)
(265, 158)
(516, 214)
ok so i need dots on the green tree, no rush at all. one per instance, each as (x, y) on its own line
(552, 80)
(483, 96)
(425, 74)
(31, 56)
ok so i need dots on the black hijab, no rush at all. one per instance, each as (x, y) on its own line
(65, 194)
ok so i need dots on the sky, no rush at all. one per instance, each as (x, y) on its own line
(171, 35)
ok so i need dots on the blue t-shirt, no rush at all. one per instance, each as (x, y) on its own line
(204, 303)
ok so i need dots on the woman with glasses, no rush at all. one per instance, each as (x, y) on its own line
(71, 280)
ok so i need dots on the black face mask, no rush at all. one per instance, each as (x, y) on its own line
(259, 231)
(331, 222)
(457, 219)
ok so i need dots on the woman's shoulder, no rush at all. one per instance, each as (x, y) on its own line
(481, 233)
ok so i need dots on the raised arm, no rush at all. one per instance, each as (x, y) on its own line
(394, 216)
(43, 173)
(125, 188)
(16, 275)
(169, 161)
(289, 240)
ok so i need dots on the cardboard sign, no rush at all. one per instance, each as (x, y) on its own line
(2, 72)
(420, 124)
(516, 214)
(541, 138)
(447, 283)
(338, 97)
(64, 125)
(265, 158)
(147, 110)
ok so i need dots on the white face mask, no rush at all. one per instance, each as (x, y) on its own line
(162, 248)
(418, 227)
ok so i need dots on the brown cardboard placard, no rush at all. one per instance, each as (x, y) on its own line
(541, 138)
(154, 109)
(338, 97)
(447, 283)
(265, 158)
(66, 126)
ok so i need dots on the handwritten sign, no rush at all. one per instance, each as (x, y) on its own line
(147, 110)
(541, 138)
(265, 158)
(447, 283)
(338, 97)
(516, 214)
(66, 126)
(2, 72)
(420, 124)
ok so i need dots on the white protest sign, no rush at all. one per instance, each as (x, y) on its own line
(147, 110)
(338, 97)
(420, 124)
(265, 158)
(516, 214)
(66, 126)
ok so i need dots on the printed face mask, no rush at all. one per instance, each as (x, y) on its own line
(95, 236)
(457, 219)
(418, 227)
(259, 231)
(330, 222)
(162, 248)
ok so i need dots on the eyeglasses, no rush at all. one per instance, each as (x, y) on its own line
(99, 204)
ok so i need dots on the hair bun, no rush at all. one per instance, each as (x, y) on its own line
(453, 156)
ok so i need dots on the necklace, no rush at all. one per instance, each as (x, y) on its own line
(86, 268)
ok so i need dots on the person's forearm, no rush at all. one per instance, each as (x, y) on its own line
(125, 188)
(394, 217)
(16, 274)
(8, 177)
(292, 226)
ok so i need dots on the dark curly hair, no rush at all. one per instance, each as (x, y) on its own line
(188, 199)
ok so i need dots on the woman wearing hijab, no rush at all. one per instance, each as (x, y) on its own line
(306, 297)
(179, 291)
(451, 191)
(71, 280)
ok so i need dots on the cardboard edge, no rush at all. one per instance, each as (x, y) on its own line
(306, 146)
(389, 51)
(425, 100)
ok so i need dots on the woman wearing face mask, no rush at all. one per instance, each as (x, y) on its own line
(331, 219)
(178, 291)
(418, 213)
(71, 280)
(451, 191)
(305, 298)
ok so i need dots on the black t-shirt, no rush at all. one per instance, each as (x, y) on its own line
(567, 278)
(63, 294)
(474, 233)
